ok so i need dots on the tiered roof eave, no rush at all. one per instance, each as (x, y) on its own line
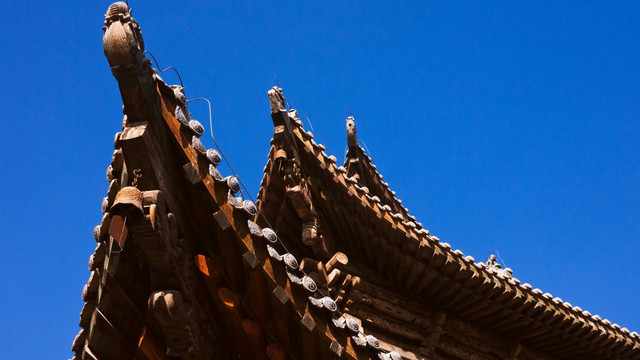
(496, 285)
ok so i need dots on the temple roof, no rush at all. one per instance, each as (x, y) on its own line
(327, 263)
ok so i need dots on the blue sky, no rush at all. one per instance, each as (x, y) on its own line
(510, 127)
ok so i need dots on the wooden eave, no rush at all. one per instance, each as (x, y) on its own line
(397, 249)
(362, 164)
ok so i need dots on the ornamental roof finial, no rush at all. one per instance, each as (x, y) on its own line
(122, 40)
(276, 98)
(352, 140)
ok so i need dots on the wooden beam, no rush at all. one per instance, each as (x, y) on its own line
(149, 348)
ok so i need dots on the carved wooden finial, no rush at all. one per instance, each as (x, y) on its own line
(352, 140)
(122, 41)
(492, 263)
(276, 98)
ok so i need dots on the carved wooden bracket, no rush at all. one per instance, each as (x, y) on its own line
(431, 341)
(171, 266)
(331, 276)
(297, 190)
(173, 314)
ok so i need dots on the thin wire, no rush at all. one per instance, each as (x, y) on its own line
(316, 134)
(501, 259)
(276, 79)
(124, 226)
(365, 146)
(225, 157)
(229, 163)
(170, 67)
(216, 143)
(312, 129)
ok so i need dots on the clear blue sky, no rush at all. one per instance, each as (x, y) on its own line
(511, 127)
